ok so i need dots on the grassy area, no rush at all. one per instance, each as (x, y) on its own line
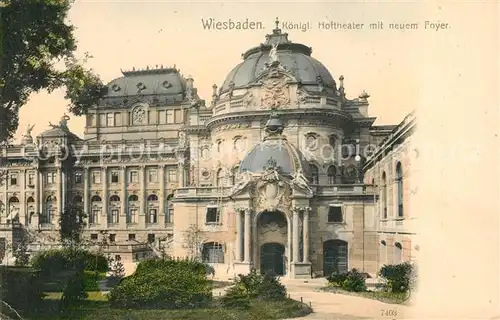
(387, 297)
(57, 283)
(97, 308)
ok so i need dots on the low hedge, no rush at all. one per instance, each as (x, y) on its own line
(56, 260)
(350, 281)
(164, 283)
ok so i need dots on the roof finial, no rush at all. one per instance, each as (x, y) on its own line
(277, 22)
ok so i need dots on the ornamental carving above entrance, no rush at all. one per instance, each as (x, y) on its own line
(275, 93)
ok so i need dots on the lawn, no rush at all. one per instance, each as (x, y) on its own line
(387, 297)
(57, 283)
(96, 307)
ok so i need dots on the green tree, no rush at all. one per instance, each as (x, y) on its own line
(71, 224)
(37, 47)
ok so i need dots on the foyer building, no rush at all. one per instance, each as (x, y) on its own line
(279, 171)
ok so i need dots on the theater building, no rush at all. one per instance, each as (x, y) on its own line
(279, 171)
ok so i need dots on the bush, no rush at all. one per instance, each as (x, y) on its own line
(56, 260)
(21, 287)
(254, 286)
(162, 283)
(350, 281)
(74, 291)
(399, 277)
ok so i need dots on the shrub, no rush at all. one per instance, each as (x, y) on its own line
(117, 270)
(254, 286)
(399, 277)
(337, 279)
(20, 287)
(354, 281)
(74, 291)
(56, 260)
(162, 283)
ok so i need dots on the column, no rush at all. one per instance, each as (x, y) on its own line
(41, 200)
(182, 172)
(22, 212)
(239, 235)
(247, 236)
(161, 182)
(123, 197)
(305, 226)
(37, 197)
(143, 209)
(86, 189)
(59, 193)
(289, 245)
(105, 207)
(296, 235)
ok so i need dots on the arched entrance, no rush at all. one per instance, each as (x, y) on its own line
(335, 258)
(272, 258)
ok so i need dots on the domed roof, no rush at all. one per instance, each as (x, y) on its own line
(161, 81)
(293, 56)
(275, 151)
(56, 132)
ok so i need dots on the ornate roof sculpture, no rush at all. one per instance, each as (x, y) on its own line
(58, 130)
(294, 57)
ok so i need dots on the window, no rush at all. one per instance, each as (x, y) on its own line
(314, 174)
(178, 115)
(118, 119)
(153, 176)
(332, 175)
(51, 177)
(96, 199)
(335, 257)
(162, 117)
(219, 146)
(133, 176)
(110, 120)
(238, 144)
(102, 119)
(90, 120)
(78, 200)
(153, 197)
(132, 198)
(115, 177)
(335, 214)
(114, 198)
(213, 215)
(96, 177)
(220, 178)
(332, 141)
(151, 238)
(169, 217)
(382, 253)
(78, 177)
(172, 175)
(399, 188)
(170, 116)
(132, 215)
(112, 237)
(131, 236)
(153, 216)
(93, 236)
(398, 253)
(383, 196)
(213, 252)
(31, 179)
(94, 216)
(114, 216)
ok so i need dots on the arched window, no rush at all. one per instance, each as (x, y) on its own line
(96, 199)
(213, 252)
(132, 212)
(220, 178)
(219, 146)
(383, 196)
(399, 188)
(14, 200)
(96, 210)
(314, 174)
(335, 257)
(50, 210)
(133, 197)
(332, 175)
(169, 213)
(114, 198)
(153, 197)
(30, 200)
(77, 200)
(398, 253)
(382, 253)
(332, 140)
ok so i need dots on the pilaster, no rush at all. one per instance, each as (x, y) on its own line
(105, 198)
(124, 201)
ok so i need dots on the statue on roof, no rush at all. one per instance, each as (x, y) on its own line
(301, 182)
(29, 128)
(63, 123)
(273, 54)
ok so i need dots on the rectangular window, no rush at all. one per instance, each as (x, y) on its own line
(152, 117)
(78, 177)
(133, 176)
(162, 117)
(153, 176)
(151, 237)
(114, 216)
(170, 116)
(112, 237)
(31, 179)
(90, 120)
(132, 216)
(115, 177)
(169, 217)
(96, 177)
(213, 253)
(213, 215)
(118, 119)
(13, 179)
(102, 119)
(94, 216)
(172, 175)
(93, 236)
(110, 120)
(51, 177)
(153, 216)
(178, 115)
(335, 214)
(131, 236)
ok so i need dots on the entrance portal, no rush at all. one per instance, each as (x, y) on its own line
(335, 258)
(272, 258)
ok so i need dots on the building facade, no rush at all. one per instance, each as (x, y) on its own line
(280, 171)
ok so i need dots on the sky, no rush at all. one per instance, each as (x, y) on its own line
(125, 34)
